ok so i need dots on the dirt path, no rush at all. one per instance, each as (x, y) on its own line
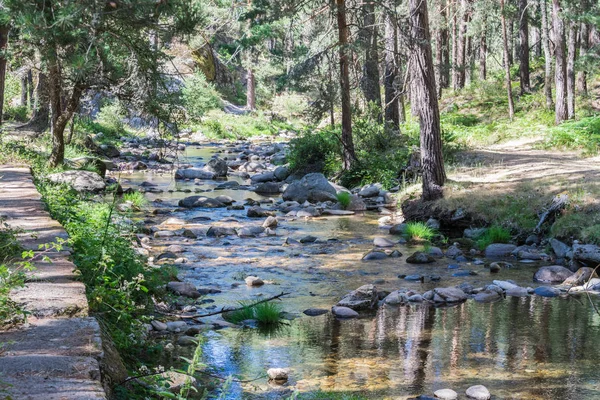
(56, 354)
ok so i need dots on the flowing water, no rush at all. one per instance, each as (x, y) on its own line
(519, 348)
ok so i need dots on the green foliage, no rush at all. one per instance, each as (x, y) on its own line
(419, 231)
(583, 134)
(318, 151)
(344, 198)
(220, 125)
(16, 113)
(268, 313)
(110, 118)
(199, 97)
(137, 199)
(494, 234)
(11, 276)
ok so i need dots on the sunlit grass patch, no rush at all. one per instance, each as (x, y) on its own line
(419, 231)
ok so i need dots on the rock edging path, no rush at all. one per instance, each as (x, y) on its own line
(57, 354)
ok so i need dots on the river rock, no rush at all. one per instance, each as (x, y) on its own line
(200, 202)
(356, 204)
(370, 190)
(175, 248)
(185, 340)
(194, 173)
(250, 231)
(546, 291)
(337, 212)
(396, 297)
(258, 212)
(228, 185)
(433, 223)
(109, 150)
(217, 166)
(268, 188)
(374, 255)
(435, 252)
(499, 250)
(308, 212)
(80, 181)
(446, 394)
(176, 326)
(278, 374)
(220, 231)
(559, 248)
(587, 254)
(448, 295)
(518, 292)
(81, 162)
(308, 239)
(487, 296)
(420, 258)
(580, 277)
(383, 242)
(183, 289)
(505, 285)
(254, 281)
(552, 274)
(225, 200)
(398, 229)
(343, 312)
(264, 177)
(453, 252)
(158, 325)
(478, 392)
(315, 312)
(312, 187)
(363, 298)
(270, 222)
(281, 173)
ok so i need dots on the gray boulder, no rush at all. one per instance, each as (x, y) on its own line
(81, 162)
(268, 188)
(478, 392)
(81, 181)
(587, 254)
(281, 173)
(183, 289)
(258, 212)
(420, 258)
(398, 229)
(217, 166)
(370, 190)
(552, 274)
(264, 177)
(560, 249)
(343, 312)
(499, 250)
(194, 173)
(312, 187)
(220, 231)
(200, 202)
(363, 298)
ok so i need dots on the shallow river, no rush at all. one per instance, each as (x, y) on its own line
(519, 348)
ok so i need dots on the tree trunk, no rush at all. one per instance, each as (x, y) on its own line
(483, 54)
(511, 106)
(24, 91)
(370, 78)
(469, 62)
(461, 50)
(441, 50)
(349, 155)
(250, 90)
(511, 35)
(524, 47)
(392, 111)
(560, 73)
(432, 159)
(30, 87)
(572, 53)
(584, 45)
(454, 64)
(547, 56)
(3, 42)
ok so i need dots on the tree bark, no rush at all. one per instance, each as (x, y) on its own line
(370, 78)
(560, 73)
(441, 50)
(524, 47)
(511, 35)
(3, 42)
(429, 115)
(459, 70)
(584, 45)
(349, 156)
(250, 90)
(469, 61)
(24, 91)
(571, 57)
(454, 31)
(392, 111)
(483, 53)
(547, 56)
(30, 86)
(511, 106)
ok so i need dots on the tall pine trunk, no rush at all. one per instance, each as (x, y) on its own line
(511, 106)
(429, 115)
(584, 45)
(572, 54)
(441, 50)
(370, 78)
(24, 91)
(349, 155)
(483, 53)
(454, 32)
(524, 47)
(250, 89)
(392, 111)
(560, 73)
(3, 42)
(547, 56)
(461, 50)
(30, 87)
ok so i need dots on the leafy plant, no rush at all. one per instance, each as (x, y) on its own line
(316, 152)
(344, 198)
(494, 234)
(199, 96)
(137, 199)
(267, 313)
(111, 118)
(419, 231)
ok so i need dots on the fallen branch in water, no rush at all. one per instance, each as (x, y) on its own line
(224, 310)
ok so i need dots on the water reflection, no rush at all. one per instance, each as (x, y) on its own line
(519, 348)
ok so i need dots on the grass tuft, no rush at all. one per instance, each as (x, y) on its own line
(419, 231)
(344, 198)
(136, 198)
(494, 234)
(268, 313)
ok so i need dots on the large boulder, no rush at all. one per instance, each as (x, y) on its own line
(217, 166)
(587, 254)
(264, 177)
(194, 173)
(552, 274)
(86, 163)
(200, 201)
(185, 289)
(580, 277)
(499, 250)
(420, 258)
(363, 298)
(448, 295)
(312, 187)
(81, 181)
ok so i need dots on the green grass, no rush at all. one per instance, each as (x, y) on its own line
(137, 199)
(344, 198)
(419, 231)
(494, 234)
(268, 313)
(583, 134)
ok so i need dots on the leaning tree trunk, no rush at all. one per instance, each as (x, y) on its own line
(370, 78)
(511, 106)
(349, 156)
(572, 50)
(547, 56)
(432, 159)
(3, 42)
(560, 74)
(392, 111)
(524, 48)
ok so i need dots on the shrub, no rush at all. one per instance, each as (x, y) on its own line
(583, 134)
(16, 113)
(137, 199)
(344, 198)
(316, 152)
(419, 231)
(199, 96)
(494, 234)
(110, 117)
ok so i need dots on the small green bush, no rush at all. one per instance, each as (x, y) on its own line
(316, 152)
(110, 117)
(138, 199)
(199, 96)
(344, 198)
(583, 134)
(494, 234)
(268, 313)
(16, 113)
(419, 231)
